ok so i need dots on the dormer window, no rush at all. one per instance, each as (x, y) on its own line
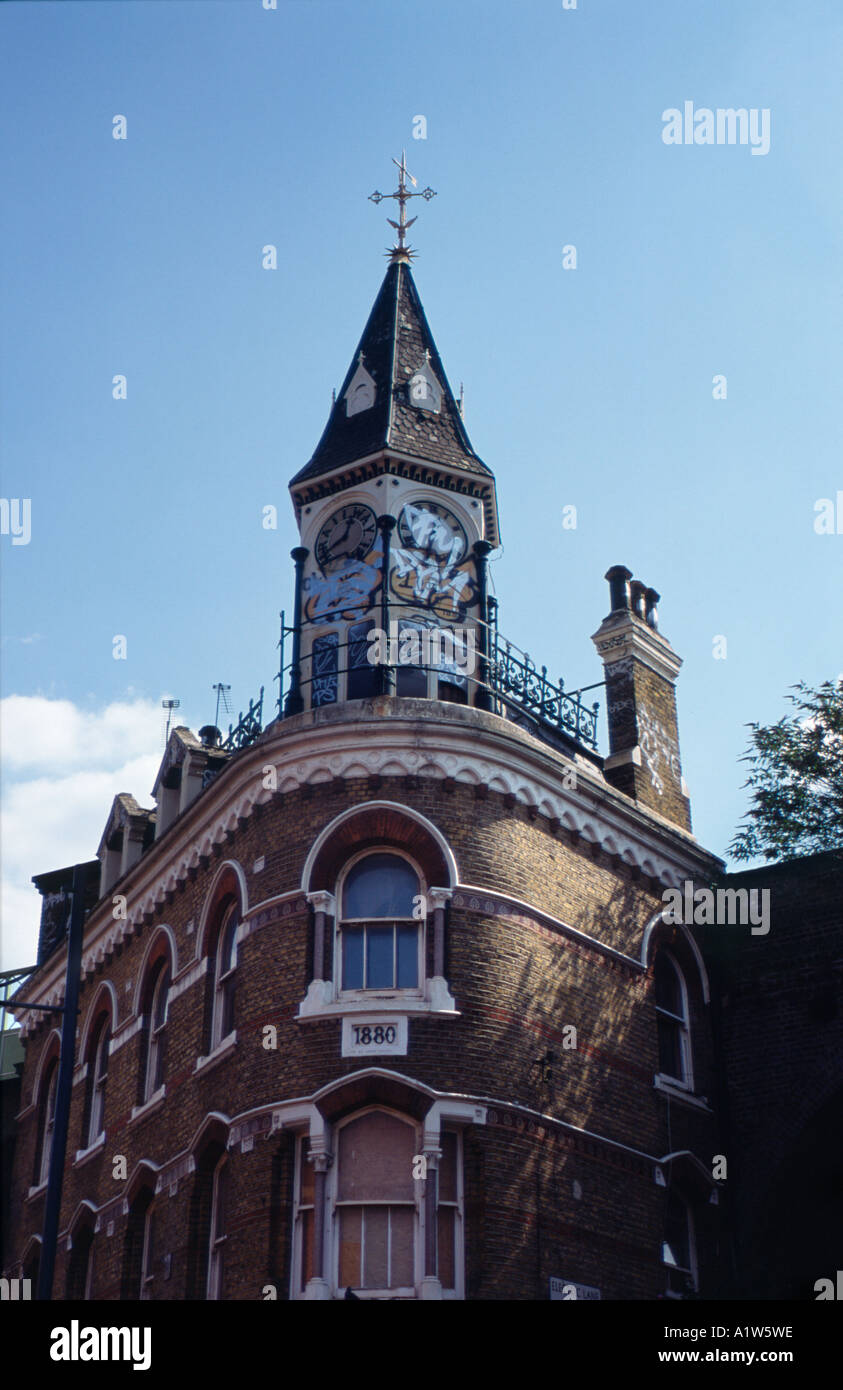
(424, 390)
(361, 391)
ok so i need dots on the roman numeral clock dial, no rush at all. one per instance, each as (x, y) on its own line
(348, 534)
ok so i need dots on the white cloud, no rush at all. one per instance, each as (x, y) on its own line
(43, 735)
(63, 766)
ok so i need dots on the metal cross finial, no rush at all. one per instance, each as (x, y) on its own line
(402, 252)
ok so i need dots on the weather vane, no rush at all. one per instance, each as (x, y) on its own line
(402, 252)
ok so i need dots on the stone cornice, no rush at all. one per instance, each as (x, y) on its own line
(387, 737)
(622, 635)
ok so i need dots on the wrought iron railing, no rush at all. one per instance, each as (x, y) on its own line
(516, 680)
(247, 728)
(513, 685)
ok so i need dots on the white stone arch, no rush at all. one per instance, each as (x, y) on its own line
(144, 1174)
(339, 1082)
(85, 1210)
(42, 1062)
(161, 930)
(361, 809)
(646, 947)
(105, 987)
(213, 1126)
(204, 916)
(33, 1246)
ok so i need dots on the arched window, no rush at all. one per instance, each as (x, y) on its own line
(147, 1287)
(224, 968)
(139, 1258)
(381, 938)
(672, 1018)
(80, 1269)
(218, 1231)
(375, 1206)
(208, 1227)
(97, 1077)
(157, 995)
(46, 1122)
(678, 1254)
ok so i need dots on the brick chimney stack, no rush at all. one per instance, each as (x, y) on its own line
(641, 669)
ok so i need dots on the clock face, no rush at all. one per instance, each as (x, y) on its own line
(433, 530)
(431, 566)
(348, 534)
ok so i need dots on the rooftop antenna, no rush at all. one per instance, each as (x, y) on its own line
(222, 694)
(169, 706)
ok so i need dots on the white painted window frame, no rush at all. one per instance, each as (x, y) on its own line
(99, 1080)
(375, 997)
(224, 981)
(152, 1082)
(216, 1237)
(664, 1079)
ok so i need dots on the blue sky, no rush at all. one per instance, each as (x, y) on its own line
(590, 387)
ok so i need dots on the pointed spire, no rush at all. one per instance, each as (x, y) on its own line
(395, 395)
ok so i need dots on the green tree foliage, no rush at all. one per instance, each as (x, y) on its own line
(796, 776)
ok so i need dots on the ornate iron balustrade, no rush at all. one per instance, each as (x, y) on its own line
(248, 727)
(516, 680)
(515, 686)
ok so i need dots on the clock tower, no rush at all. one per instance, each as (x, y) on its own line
(397, 515)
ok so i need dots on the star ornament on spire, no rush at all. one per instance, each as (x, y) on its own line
(402, 252)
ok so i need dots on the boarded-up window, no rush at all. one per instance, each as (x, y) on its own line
(376, 1203)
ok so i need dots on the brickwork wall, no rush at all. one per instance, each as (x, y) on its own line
(517, 983)
(781, 1020)
(642, 713)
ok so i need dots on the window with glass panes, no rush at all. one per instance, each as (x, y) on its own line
(147, 1290)
(324, 684)
(363, 677)
(156, 1035)
(97, 1078)
(448, 1212)
(672, 1020)
(47, 1122)
(218, 1233)
(304, 1213)
(677, 1244)
(226, 965)
(380, 938)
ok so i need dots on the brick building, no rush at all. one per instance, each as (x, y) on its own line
(779, 1028)
(380, 997)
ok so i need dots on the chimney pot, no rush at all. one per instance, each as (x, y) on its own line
(619, 577)
(652, 599)
(637, 591)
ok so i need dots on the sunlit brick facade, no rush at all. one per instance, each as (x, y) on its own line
(380, 1003)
